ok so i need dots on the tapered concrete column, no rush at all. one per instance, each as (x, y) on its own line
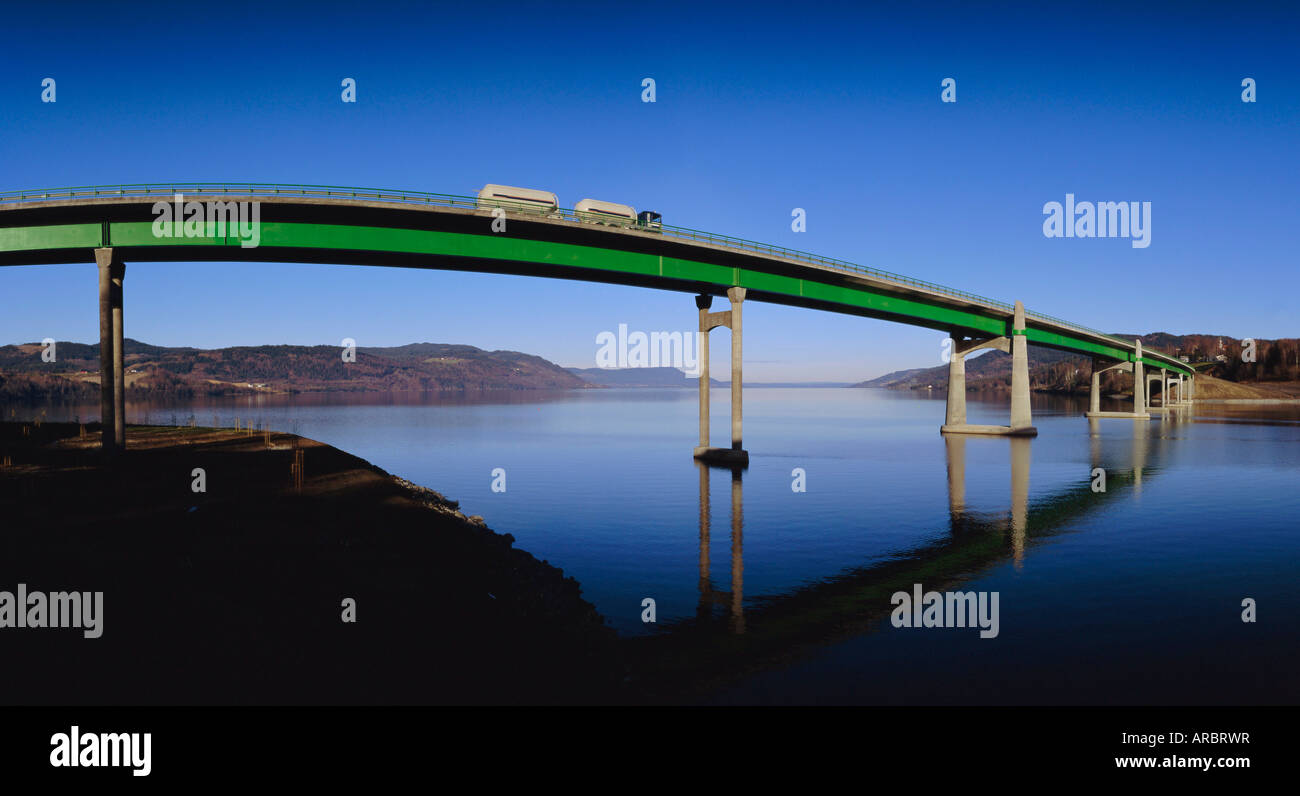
(1139, 383)
(956, 409)
(1182, 398)
(107, 414)
(118, 273)
(1094, 396)
(1020, 415)
(703, 302)
(736, 296)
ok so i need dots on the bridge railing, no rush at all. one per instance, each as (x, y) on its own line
(255, 189)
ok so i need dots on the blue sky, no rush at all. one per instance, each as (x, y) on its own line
(760, 109)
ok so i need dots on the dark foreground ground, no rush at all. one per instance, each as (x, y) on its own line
(235, 595)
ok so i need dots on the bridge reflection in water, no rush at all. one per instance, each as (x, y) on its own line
(714, 645)
(955, 453)
(734, 599)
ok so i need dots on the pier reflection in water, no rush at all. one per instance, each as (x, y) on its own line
(734, 599)
(1015, 529)
(955, 452)
(857, 602)
(724, 637)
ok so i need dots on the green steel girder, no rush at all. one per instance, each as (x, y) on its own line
(69, 242)
(55, 236)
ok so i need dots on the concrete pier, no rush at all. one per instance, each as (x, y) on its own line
(1018, 347)
(1139, 388)
(736, 296)
(1177, 391)
(955, 415)
(1021, 420)
(955, 409)
(1139, 383)
(1153, 378)
(112, 376)
(107, 412)
(736, 455)
(118, 273)
(703, 302)
(1171, 392)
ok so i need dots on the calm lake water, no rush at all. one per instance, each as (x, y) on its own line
(1133, 595)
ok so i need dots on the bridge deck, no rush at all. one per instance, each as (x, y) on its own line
(441, 231)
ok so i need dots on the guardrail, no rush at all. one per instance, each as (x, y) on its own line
(255, 189)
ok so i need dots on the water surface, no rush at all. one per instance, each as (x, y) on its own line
(1131, 595)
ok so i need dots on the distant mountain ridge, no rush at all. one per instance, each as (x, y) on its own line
(673, 377)
(1048, 369)
(638, 377)
(1057, 371)
(151, 369)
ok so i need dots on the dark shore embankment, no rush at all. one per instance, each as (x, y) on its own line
(234, 595)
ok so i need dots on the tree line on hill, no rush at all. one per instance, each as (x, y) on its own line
(156, 371)
(1057, 371)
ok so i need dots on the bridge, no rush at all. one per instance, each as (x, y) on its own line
(113, 225)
